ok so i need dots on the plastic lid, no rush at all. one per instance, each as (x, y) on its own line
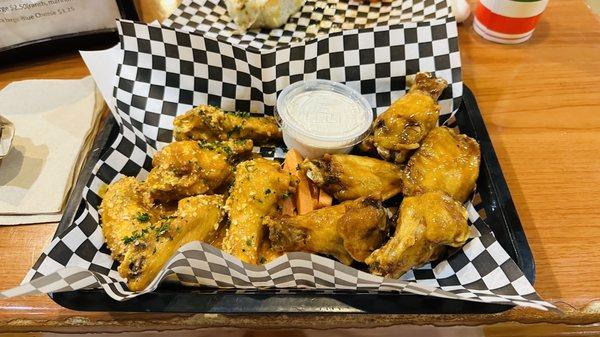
(324, 114)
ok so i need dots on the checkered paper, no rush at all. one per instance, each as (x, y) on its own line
(316, 17)
(165, 71)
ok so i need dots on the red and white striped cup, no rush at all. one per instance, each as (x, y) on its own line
(507, 21)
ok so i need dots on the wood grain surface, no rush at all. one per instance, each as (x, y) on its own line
(541, 104)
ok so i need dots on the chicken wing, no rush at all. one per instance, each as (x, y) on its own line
(427, 223)
(125, 209)
(348, 231)
(208, 123)
(188, 168)
(402, 127)
(349, 177)
(260, 187)
(147, 249)
(446, 161)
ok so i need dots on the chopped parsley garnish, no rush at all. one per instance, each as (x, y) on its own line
(143, 217)
(162, 229)
(217, 146)
(235, 130)
(268, 191)
(243, 114)
(249, 242)
(135, 236)
(262, 260)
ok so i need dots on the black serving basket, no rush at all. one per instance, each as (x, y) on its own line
(497, 203)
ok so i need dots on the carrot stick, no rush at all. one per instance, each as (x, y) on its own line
(325, 199)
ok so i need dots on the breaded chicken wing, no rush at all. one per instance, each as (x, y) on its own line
(188, 168)
(125, 209)
(349, 177)
(402, 127)
(258, 191)
(147, 249)
(208, 123)
(348, 231)
(446, 161)
(427, 223)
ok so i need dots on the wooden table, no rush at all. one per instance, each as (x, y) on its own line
(541, 103)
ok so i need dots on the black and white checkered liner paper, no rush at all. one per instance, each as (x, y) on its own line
(315, 17)
(164, 72)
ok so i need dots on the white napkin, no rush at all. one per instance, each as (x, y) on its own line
(54, 120)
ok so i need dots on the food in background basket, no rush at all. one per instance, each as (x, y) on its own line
(259, 189)
(349, 177)
(188, 168)
(262, 13)
(401, 128)
(427, 224)
(349, 231)
(446, 161)
(208, 123)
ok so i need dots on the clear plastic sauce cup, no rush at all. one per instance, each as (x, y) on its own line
(321, 116)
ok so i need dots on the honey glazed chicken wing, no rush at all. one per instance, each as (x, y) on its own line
(427, 224)
(349, 177)
(349, 231)
(446, 161)
(259, 189)
(208, 123)
(401, 128)
(188, 168)
(147, 249)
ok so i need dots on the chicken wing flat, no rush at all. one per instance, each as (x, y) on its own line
(402, 127)
(427, 223)
(258, 191)
(208, 123)
(124, 209)
(348, 231)
(446, 161)
(349, 177)
(188, 168)
(147, 249)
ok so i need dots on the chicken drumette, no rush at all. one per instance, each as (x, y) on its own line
(208, 123)
(427, 224)
(348, 231)
(402, 127)
(349, 177)
(446, 161)
(188, 168)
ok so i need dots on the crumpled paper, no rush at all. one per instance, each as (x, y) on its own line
(7, 132)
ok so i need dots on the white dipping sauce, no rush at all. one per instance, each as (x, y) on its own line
(320, 116)
(326, 113)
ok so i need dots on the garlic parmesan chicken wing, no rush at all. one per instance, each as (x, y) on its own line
(446, 161)
(427, 224)
(349, 177)
(348, 231)
(188, 168)
(142, 236)
(401, 128)
(208, 123)
(258, 191)
(124, 209)
(148, 249)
